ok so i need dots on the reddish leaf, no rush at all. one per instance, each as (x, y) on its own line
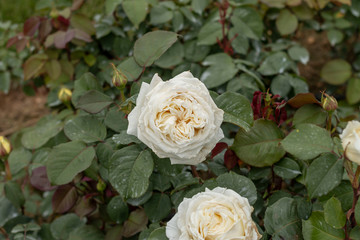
(21, 44)
(64, 198)
(81, 35)
(230, 159)
(302, 99)
(44, 29)
(76, 4)
(31, 25)
(12, 41)
(219, 147)
(256, 104)
(85, 207)
(39, 179)
(61, 38)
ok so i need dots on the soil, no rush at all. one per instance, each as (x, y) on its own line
(320, 52)
(18, 110)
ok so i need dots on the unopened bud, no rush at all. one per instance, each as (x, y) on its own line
(328, 102)
(101, 185)
(119, 80)
(5, 146)
(64, 95)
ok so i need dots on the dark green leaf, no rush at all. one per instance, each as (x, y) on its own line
(336, 71)
(68, 159)
(310, 114)
(85, 83)
(117, 210)
(286, 22)
(240, 184)
(209, 33)
(317, 229)
(86, 232)
(19, 159)
(172, 57)
(130, 170)
(130, 69)
(287, 168)
(136, 10)
(237, 109)
(323, 175)
(259, 146)
(282, 221)
(352, 91)
(307, 141)
(93, 101)
(14, 193)
(152, 45)
(158, 234)
(85, 128)
(64, 225)
(334, 215)
(274, 64)
(158, 207)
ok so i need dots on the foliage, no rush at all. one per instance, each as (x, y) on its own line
(77, 174)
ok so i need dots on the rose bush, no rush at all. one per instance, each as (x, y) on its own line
(177, 119)
(218, 214)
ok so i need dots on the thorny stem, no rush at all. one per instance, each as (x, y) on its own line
(194, 172)
(225, 43)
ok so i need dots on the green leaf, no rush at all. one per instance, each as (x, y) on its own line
(44, 130)
(33, 66)
(160, 182)
(344, 193)
(110, 6)
(136, 223)
(183, 180)
(281, 85)
(86, 232)
(62, 226)
(82, 22)
(287, 168)
(259, 146)
(19, 159)
(85, 83)
(152, 45)
(7, 211)
(124, 139)
(172, 57)
(240, 184)
(334, 215)
(352, 91)
(53, 69)
(221, 70)
(195, 53)
(86, 128)
(198, 6)
(237, 109)
(282, 221)
(130, 69)
(316, 228)
(355, 233)
(247, 22)
(274, 64)
(178, 21)
(93, 101)
(310, 114)
(130, 170)
(209, 33)
(14, 193)
(68, 159)
(158, 234)
(298, 53)
(323, 175)
(286, 22)
(136, 10)
(117, 210)
(158, 207)
(307, 141)
(116, 120)
(160, 14)
(336, 72)
(335, 36)
(5, 80)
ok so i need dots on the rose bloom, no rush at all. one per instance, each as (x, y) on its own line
(218, 214)
(350, 139)
(177, 119)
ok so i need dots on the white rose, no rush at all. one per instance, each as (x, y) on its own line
(177, 119)
(218, 214)
(350, 139)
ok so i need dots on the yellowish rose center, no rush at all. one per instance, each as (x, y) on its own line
(218, 219)
(181, 118)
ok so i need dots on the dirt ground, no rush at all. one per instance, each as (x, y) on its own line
(18, 110)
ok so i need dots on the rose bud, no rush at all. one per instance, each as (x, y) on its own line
(5, 146)
(64, 95)
(328, 102)
(119, 80)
